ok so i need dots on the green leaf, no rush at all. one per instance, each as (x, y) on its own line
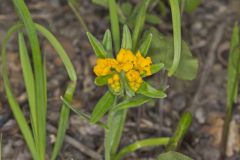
(97, 46)
(40, 87)
(233, 66)
(60, 51)
(126, 9)
(190, 5)
(113, 9)
(17, 112)
(63, 122)
(102, 106)
(83, 115)
(102, 80)
(107, 43)
(140, 19)
(156, 67)
(182, 128)
(153, 19)
(28, 81)
(161, 51)
(176, 20)
(151, 142)
(114, 134)
(151, 92)
(127, 38)
(173, 156)
(103, 3)
(146, 45)
(128, 90)
(135, 101)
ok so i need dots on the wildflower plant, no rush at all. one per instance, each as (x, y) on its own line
(124, 67)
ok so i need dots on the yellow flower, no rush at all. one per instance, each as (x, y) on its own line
(134, 66)
(134, 79)
(114, 83)
(143, 64)
(104, 66)
(125, 59)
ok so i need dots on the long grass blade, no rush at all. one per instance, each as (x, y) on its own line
(63, 122)
(114, 24)
(151, 142)
(28, 81)
(60, 51)
(139, 23)
(23, 125)
(176, 20)
(232, 83)
(40, 86)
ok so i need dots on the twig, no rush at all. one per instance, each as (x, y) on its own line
(210, 60)
(82, 148)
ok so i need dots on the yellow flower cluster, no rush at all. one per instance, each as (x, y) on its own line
(114, 83)
(133, 65)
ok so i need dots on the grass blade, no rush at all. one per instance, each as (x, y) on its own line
(176, 19)
(114, 24)
(72, 5)
(40, 86)
(141, 144)
(182, 128)
(60, 51)
(139, 23)
(63, 122)
(23, 125)
(146, 45)
(232, 83)
(28, 81)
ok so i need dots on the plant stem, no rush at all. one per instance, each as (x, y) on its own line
(79, 17)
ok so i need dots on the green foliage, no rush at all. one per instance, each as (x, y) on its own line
(140, 19)
(102, 106)
(114, 23)
(173, 156)
(102, 80)
(156, 67)
(126, 38)
(151, 92)
(233, 66)
(97, 46)
(176, 20)
(107, 43)
(161, 51)
(233, 72)
(182, 128)
(34, 74)
(141, 144)
(132, 102)
(146, 45)
(190, 5)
